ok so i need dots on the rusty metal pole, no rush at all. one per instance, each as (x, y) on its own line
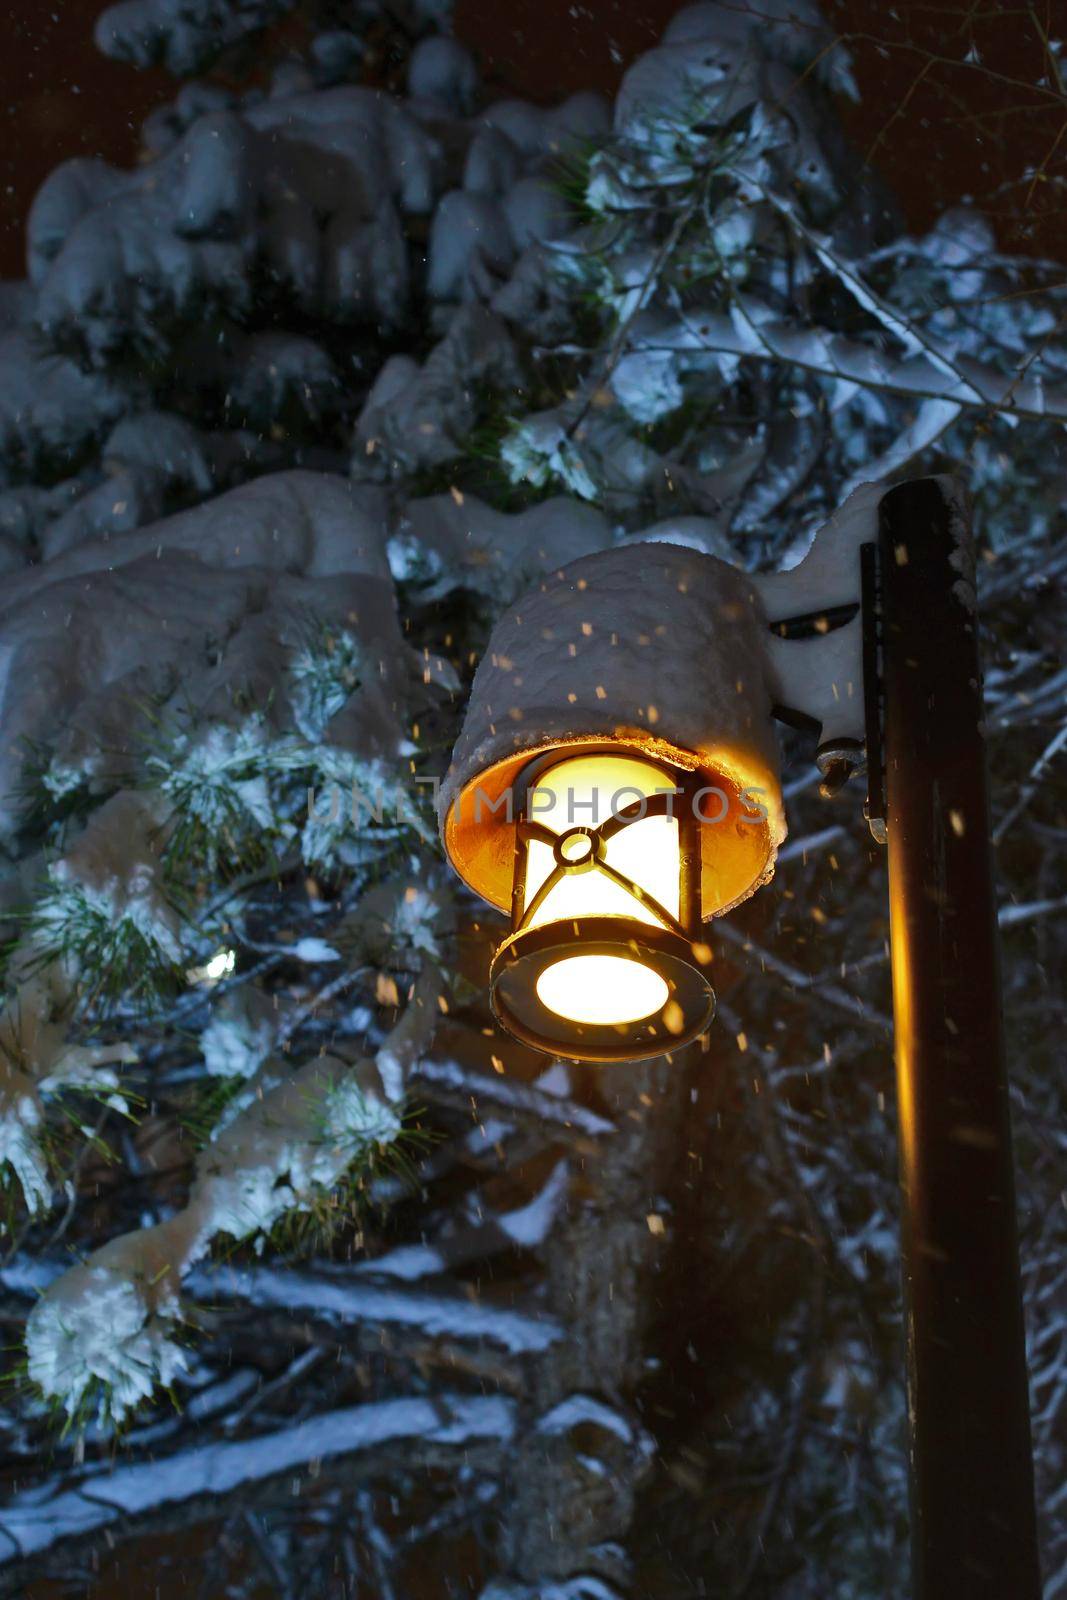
(972, 1497)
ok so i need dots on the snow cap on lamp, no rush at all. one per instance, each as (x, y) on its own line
(657, 648)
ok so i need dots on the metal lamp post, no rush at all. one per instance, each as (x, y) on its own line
(874, 649)
(972, 1491)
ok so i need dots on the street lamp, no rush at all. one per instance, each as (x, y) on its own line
(659, 669)
(612, 792)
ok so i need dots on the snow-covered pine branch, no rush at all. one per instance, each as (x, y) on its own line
(38, 1061)
(101, 1337)
(753, 329)
(294, 407)
(429, 1429)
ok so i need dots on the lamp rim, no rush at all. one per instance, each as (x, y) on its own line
(486, 866)
(525, 955)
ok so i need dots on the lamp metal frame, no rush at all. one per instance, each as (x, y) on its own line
(674, 947)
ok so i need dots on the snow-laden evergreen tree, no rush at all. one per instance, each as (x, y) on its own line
(308, 1273)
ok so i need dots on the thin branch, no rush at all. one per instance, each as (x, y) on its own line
(814, 983)
(453, 1083)
(1032, 784)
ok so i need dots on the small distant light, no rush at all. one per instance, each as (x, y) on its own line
(220, 966)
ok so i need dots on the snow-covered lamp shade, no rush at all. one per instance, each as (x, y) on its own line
(615, 784)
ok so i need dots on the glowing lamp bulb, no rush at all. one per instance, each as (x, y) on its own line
(602, 989)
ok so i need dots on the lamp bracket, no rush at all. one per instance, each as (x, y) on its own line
(873, 692)
(824, 646)
(840, 757)
(813, 624)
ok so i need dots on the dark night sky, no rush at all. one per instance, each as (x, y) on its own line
(937, 126)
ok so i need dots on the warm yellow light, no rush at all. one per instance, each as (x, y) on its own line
(585, 792)
(601, 989)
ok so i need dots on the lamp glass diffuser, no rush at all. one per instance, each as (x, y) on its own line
(605, 960)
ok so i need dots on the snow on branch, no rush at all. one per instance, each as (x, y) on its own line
(753, 329)
(447, 542)
(289, 573)
(309, 186)
(301, 197)
(529, 1227)
(588, 1586)
(105, 902)
(182, 35)
(624, 314)
(422, 416)
(50, 411)
(290, 1137)
(99, 1340)
(451, 1078)
(341, 1300)
(39, 1062)
(932, 419)
(56, 1510)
